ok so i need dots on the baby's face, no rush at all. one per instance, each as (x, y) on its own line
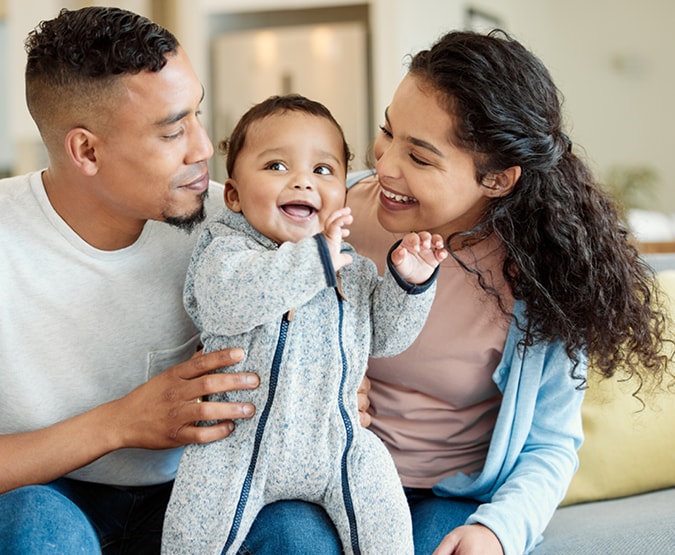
(289, 176)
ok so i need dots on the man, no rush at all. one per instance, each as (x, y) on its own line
(100, 376)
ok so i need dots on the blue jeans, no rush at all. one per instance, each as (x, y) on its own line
(296, 527)
(80, 518)
(434, 517)
(74, 517)
(69, 516)
(293, 528)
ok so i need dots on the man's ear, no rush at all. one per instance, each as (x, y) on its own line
(232, 195)
(500, 184)
(80, 146)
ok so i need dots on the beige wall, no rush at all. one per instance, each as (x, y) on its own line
(612, 60)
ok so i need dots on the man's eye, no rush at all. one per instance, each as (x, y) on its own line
(174, 135)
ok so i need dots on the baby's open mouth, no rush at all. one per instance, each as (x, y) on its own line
(298, 210)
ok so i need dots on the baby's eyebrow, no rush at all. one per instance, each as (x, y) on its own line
(327, 154)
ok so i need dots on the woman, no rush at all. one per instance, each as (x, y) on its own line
(482, 412)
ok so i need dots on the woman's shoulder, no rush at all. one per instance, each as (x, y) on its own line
(360, 176)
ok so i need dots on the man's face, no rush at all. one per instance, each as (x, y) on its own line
(153, 155)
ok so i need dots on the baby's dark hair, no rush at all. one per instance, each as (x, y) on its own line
(275, 105)
(567, 251)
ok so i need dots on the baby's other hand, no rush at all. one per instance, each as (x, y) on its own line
(418, 255)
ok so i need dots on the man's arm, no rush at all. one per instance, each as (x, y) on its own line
(159, 414)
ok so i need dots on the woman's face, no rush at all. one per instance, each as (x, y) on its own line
(427, 182)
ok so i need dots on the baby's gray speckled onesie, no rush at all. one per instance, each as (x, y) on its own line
(308, 334)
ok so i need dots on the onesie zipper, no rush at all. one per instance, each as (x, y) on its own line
(349, 432)
(260, 430)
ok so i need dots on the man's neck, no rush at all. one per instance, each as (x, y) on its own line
(88, 218)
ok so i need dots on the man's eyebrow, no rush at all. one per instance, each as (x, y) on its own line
(174, 118)
(417, 142)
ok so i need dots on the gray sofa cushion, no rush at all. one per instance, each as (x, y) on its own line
(637, 525)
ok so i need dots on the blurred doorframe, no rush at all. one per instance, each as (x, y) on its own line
(216, 24)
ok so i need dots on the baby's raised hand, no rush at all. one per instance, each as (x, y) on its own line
(418, 255)
(334, 232)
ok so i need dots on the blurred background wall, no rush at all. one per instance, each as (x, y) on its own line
(613, 60)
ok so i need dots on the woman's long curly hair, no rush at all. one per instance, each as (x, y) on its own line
(567, 252)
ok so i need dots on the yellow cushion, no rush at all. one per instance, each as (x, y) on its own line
(626, 450)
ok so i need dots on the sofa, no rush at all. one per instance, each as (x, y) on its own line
(622, 499)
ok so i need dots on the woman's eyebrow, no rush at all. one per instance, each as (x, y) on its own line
(415, 141)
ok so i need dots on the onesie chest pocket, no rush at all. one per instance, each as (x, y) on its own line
(158, 361)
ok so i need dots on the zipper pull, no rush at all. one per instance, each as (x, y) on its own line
(339, 286)
(290, 315)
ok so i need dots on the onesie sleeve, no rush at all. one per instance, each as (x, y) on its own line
(236, 283)
(399, 311)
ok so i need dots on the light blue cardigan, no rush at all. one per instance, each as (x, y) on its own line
(533, 451)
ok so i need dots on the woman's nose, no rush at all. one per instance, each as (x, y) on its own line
(385, 158)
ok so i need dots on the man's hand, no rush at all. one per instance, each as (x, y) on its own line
(162, 412)
(471, 539)
(156, 415)
(418, 255)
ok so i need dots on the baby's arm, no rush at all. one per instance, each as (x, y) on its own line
(334, 232)
(418, 255)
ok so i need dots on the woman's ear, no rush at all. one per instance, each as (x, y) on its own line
(80, 146)
(500, 184)
(232, 195)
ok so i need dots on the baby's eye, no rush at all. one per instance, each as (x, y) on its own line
(276, 166)
(323, 170)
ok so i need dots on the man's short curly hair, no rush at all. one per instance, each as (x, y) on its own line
(75, 58)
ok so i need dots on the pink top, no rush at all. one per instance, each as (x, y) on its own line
(435, 405)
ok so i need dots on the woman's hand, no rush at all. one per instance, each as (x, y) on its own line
(471, 539)
(364, 402)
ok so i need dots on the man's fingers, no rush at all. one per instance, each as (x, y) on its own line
(201, 363)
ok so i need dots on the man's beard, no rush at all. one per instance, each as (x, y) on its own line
(189, 222)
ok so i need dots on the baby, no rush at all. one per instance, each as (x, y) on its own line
(272, 275)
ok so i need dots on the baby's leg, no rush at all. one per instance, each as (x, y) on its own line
(210, 505)
(379, 508)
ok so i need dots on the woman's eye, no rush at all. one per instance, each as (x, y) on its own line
(418, 161)
(385, 131)
(276, 166)
(323, 170)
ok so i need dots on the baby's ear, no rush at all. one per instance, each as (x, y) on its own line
(232, 196)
